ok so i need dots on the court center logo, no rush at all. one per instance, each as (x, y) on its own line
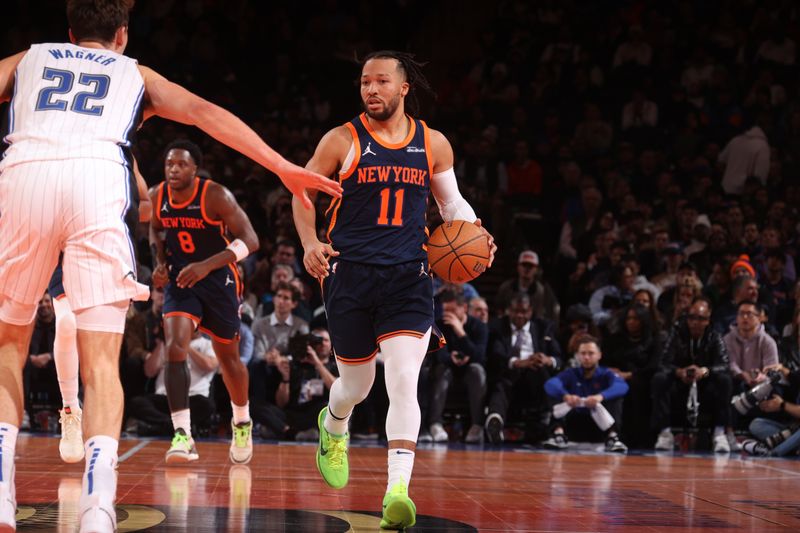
(163, 519)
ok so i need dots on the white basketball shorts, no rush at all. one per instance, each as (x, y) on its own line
(77, 206)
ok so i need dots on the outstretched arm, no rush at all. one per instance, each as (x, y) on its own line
(171, 101)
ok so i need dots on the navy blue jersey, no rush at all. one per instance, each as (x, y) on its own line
(380, 218)
(190, 235)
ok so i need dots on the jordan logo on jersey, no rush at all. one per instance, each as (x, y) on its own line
(368, 151)
(422, 271)
(164, 208)
(228, 280)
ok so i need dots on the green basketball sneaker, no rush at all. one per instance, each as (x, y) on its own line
(182, 449)
(332, 455)
(241, 450)
(399, 512)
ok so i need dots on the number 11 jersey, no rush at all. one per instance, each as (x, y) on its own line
(380, 218)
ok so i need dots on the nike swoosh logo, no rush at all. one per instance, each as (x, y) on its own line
(403, 453)
(322, 451)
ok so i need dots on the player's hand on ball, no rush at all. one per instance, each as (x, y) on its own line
(191, 274)
(492, 245)
(160, 276)
(315, 258)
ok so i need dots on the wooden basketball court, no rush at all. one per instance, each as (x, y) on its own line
(455, 489)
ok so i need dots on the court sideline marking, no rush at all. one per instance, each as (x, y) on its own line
(132, 451)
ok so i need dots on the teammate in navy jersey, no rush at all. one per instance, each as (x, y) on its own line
(196, 262)
(74, 108)
(376, 287)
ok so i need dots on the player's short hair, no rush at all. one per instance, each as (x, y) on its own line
(185, 144)
(97, 19)
(412, 70)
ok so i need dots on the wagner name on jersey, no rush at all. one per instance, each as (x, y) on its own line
(61, 89)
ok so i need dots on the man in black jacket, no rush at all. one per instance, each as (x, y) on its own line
(462, 361)
(694, 353)
(525, 354)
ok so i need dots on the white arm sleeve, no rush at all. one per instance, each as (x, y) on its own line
(452, 205)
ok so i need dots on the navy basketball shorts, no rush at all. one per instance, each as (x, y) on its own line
(367, 304)
(56, 285)
(212, 304)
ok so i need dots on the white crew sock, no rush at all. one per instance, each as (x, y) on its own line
(100, 477)
(182, 419)
(241, 413)
(8, 445)
(401, 463)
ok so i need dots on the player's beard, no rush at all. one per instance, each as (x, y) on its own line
(386, 113)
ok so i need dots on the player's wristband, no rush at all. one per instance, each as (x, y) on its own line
(239, 249)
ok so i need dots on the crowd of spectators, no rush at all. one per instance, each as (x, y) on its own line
(637, 162)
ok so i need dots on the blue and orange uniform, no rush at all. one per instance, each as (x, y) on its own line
(191, 236)
(379, 286)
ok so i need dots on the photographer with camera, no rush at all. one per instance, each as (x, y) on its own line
(750, 348)
(462, 361)
(299, 382)
(779, 434)
(694, 353)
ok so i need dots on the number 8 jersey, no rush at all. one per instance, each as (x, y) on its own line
(380, 218)
(72, 102)
(189, 234)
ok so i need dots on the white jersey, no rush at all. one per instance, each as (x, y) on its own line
(72, 102)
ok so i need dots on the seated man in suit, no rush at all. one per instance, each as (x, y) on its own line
(524, 354)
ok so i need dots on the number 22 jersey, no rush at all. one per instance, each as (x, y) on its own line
(380, 218)
(72, 102)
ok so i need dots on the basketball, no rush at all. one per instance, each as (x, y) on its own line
(458, 251)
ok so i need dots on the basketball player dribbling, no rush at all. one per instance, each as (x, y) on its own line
(376, 287)
(196, 264)
(64, 186)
